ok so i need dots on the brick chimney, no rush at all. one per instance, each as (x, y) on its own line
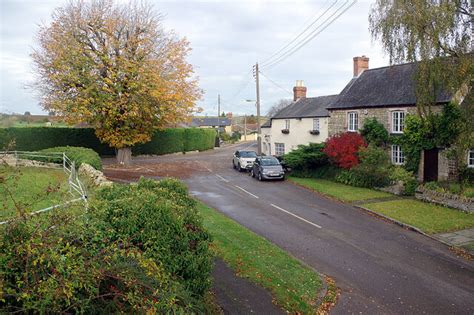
(299, 91)
(360, 65)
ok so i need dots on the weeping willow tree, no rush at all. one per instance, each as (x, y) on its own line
(437, 35)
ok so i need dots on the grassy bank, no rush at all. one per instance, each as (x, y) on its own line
(429, 218)
(337, 190)
(294, 286)
(30, 189)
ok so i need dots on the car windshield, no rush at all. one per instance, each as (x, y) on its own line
(248, 154)
(270, 162)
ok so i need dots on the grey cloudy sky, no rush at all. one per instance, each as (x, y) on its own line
(227, 38)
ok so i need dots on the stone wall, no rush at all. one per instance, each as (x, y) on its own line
(338, 118)
(446, 199)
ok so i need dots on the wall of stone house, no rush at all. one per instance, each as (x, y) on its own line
(338, 118)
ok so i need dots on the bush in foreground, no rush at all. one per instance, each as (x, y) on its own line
(342, 149)
(306, 157)
(139, 249)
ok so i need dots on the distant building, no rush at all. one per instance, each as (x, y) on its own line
(224, 124)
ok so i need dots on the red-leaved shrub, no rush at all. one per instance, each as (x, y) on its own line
(342, 149)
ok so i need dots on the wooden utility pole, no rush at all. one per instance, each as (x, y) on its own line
(245, 127)
(259, 137)
(218, 113)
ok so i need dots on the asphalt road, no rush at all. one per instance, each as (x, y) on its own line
(380, 267)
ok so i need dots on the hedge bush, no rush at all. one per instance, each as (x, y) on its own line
(199, 139)
(163, 141)
(306, 157)
(164, 224)
(39, 138)
(79, 155)
(140, 249)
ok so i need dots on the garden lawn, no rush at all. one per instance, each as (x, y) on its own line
(31, 189)
(427, 217)
(294, 286)
(339, 191)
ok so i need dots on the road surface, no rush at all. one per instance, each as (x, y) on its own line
(380, 267)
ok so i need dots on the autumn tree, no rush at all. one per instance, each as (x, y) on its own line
(116, 68)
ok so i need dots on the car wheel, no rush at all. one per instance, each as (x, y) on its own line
(238, 167)
(260, 178)
(233, 165)
(252, 173)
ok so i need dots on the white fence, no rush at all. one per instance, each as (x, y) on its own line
(49, 160)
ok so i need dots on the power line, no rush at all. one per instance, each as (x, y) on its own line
(276, 84)
(312, 35)
(241, 87)
(300, 34)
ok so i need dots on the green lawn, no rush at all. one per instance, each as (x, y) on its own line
(339, 191)
(294, 286)
(30, 188)
(428, 217)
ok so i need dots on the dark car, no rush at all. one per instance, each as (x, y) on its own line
(267, 167)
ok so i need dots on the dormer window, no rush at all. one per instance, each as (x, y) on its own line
(353, 121)
(398, 121)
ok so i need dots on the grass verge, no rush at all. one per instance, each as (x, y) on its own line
(427, 217)
(339, 191)
(31, 189)
(294, 286)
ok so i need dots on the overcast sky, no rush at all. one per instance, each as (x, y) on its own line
(227, 38)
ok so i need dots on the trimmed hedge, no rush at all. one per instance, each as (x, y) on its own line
(79, 155)
(162, 142)
(39, 138)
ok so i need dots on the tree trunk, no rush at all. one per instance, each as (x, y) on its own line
(124, 156)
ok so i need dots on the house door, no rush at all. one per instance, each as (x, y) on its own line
(430, 168)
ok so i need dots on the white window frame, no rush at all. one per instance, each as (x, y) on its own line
(287, 124)
(397, 156)
(316, 124)
(353, 121)
(398, 121)
(470, 158)
(279, 148)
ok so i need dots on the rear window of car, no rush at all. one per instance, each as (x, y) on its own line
(248, 154)
(270, 162)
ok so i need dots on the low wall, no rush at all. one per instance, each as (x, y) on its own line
(446, 199)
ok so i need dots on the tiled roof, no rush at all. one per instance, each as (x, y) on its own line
(210, 121)
(386, 86)
(307, 107)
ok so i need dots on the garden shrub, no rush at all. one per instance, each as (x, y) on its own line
(374, 132)
(342, 149)
(60, 262)
(139, 249)
(306, 157)
(399, 174)
(324, 172)
(372, 171)
(164, 224)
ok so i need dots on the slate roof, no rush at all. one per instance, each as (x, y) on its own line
(380, 87)
(307, 107)
(210, 121)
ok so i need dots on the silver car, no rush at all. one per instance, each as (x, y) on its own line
(267, 167)
(243, 160)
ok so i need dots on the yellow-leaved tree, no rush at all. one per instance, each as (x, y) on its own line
(115, 67)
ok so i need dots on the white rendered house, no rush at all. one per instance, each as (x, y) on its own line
(302, 122)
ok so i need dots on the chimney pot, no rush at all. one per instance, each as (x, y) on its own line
(360, 65)
(299, 91)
